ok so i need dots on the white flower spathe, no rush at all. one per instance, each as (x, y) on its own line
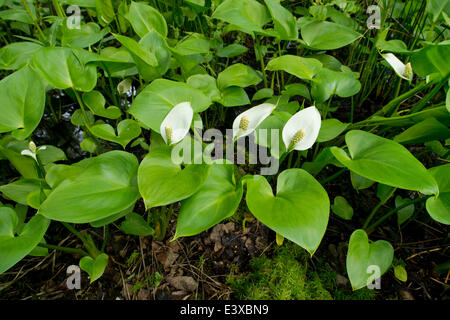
(248, 121)
(176, 124)
(302, 129)
(404, 71)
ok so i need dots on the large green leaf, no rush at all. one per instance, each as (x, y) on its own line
(13, 249)
(439, 207)
(285, 23)
(428, 130)
(299, 211)
(248, 15)
(153, 42)
(153, 104)
(23, 102)
(15, 55)
(162, 181)
(105, 11)
(432, 59)
(63, 69)
(328, 83)
(215, 201)
(384, 161)
(19, 190)
(325, 35)
(106, 186)
(303, 68)
(145, 18)
(239, 75)
(362, 256)
(87, 35)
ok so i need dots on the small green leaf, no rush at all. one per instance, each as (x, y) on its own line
(127, 130)
(342, 208)
(439, 207)
(94, 267)
(136, 225)
(362, 255)
(95, 101)
(400, 273)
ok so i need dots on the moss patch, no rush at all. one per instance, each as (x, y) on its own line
(284, 276)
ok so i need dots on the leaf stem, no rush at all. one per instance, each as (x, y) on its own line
(63, 249)
(394, 211)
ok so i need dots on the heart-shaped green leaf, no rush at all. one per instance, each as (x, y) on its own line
(299, 211)
(247, 15)
(83, 37)
(153, 104)
(439, 207)
(330, 129)
(63, 68)
(432, 59)
(384, 161)
(127, 130)
(17, 54)
(144, 18)
(303, 68)
(162, 182)
(94, 267)
(20, 189)
(325, 35)
(285, 23)
(362, 256)
(328, 82)
(216, 200)
(239, 75)
(22, 109)
(13, 249)
(155, 43)
(95, 101)
(106, 186)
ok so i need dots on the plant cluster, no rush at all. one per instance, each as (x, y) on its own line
(316, 87)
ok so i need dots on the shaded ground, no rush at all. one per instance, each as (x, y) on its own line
(204, 266)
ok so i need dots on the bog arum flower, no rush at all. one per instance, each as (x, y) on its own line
(402, 70)
(176, 124)
(32, 150)
(302, 129)
(248, 121)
